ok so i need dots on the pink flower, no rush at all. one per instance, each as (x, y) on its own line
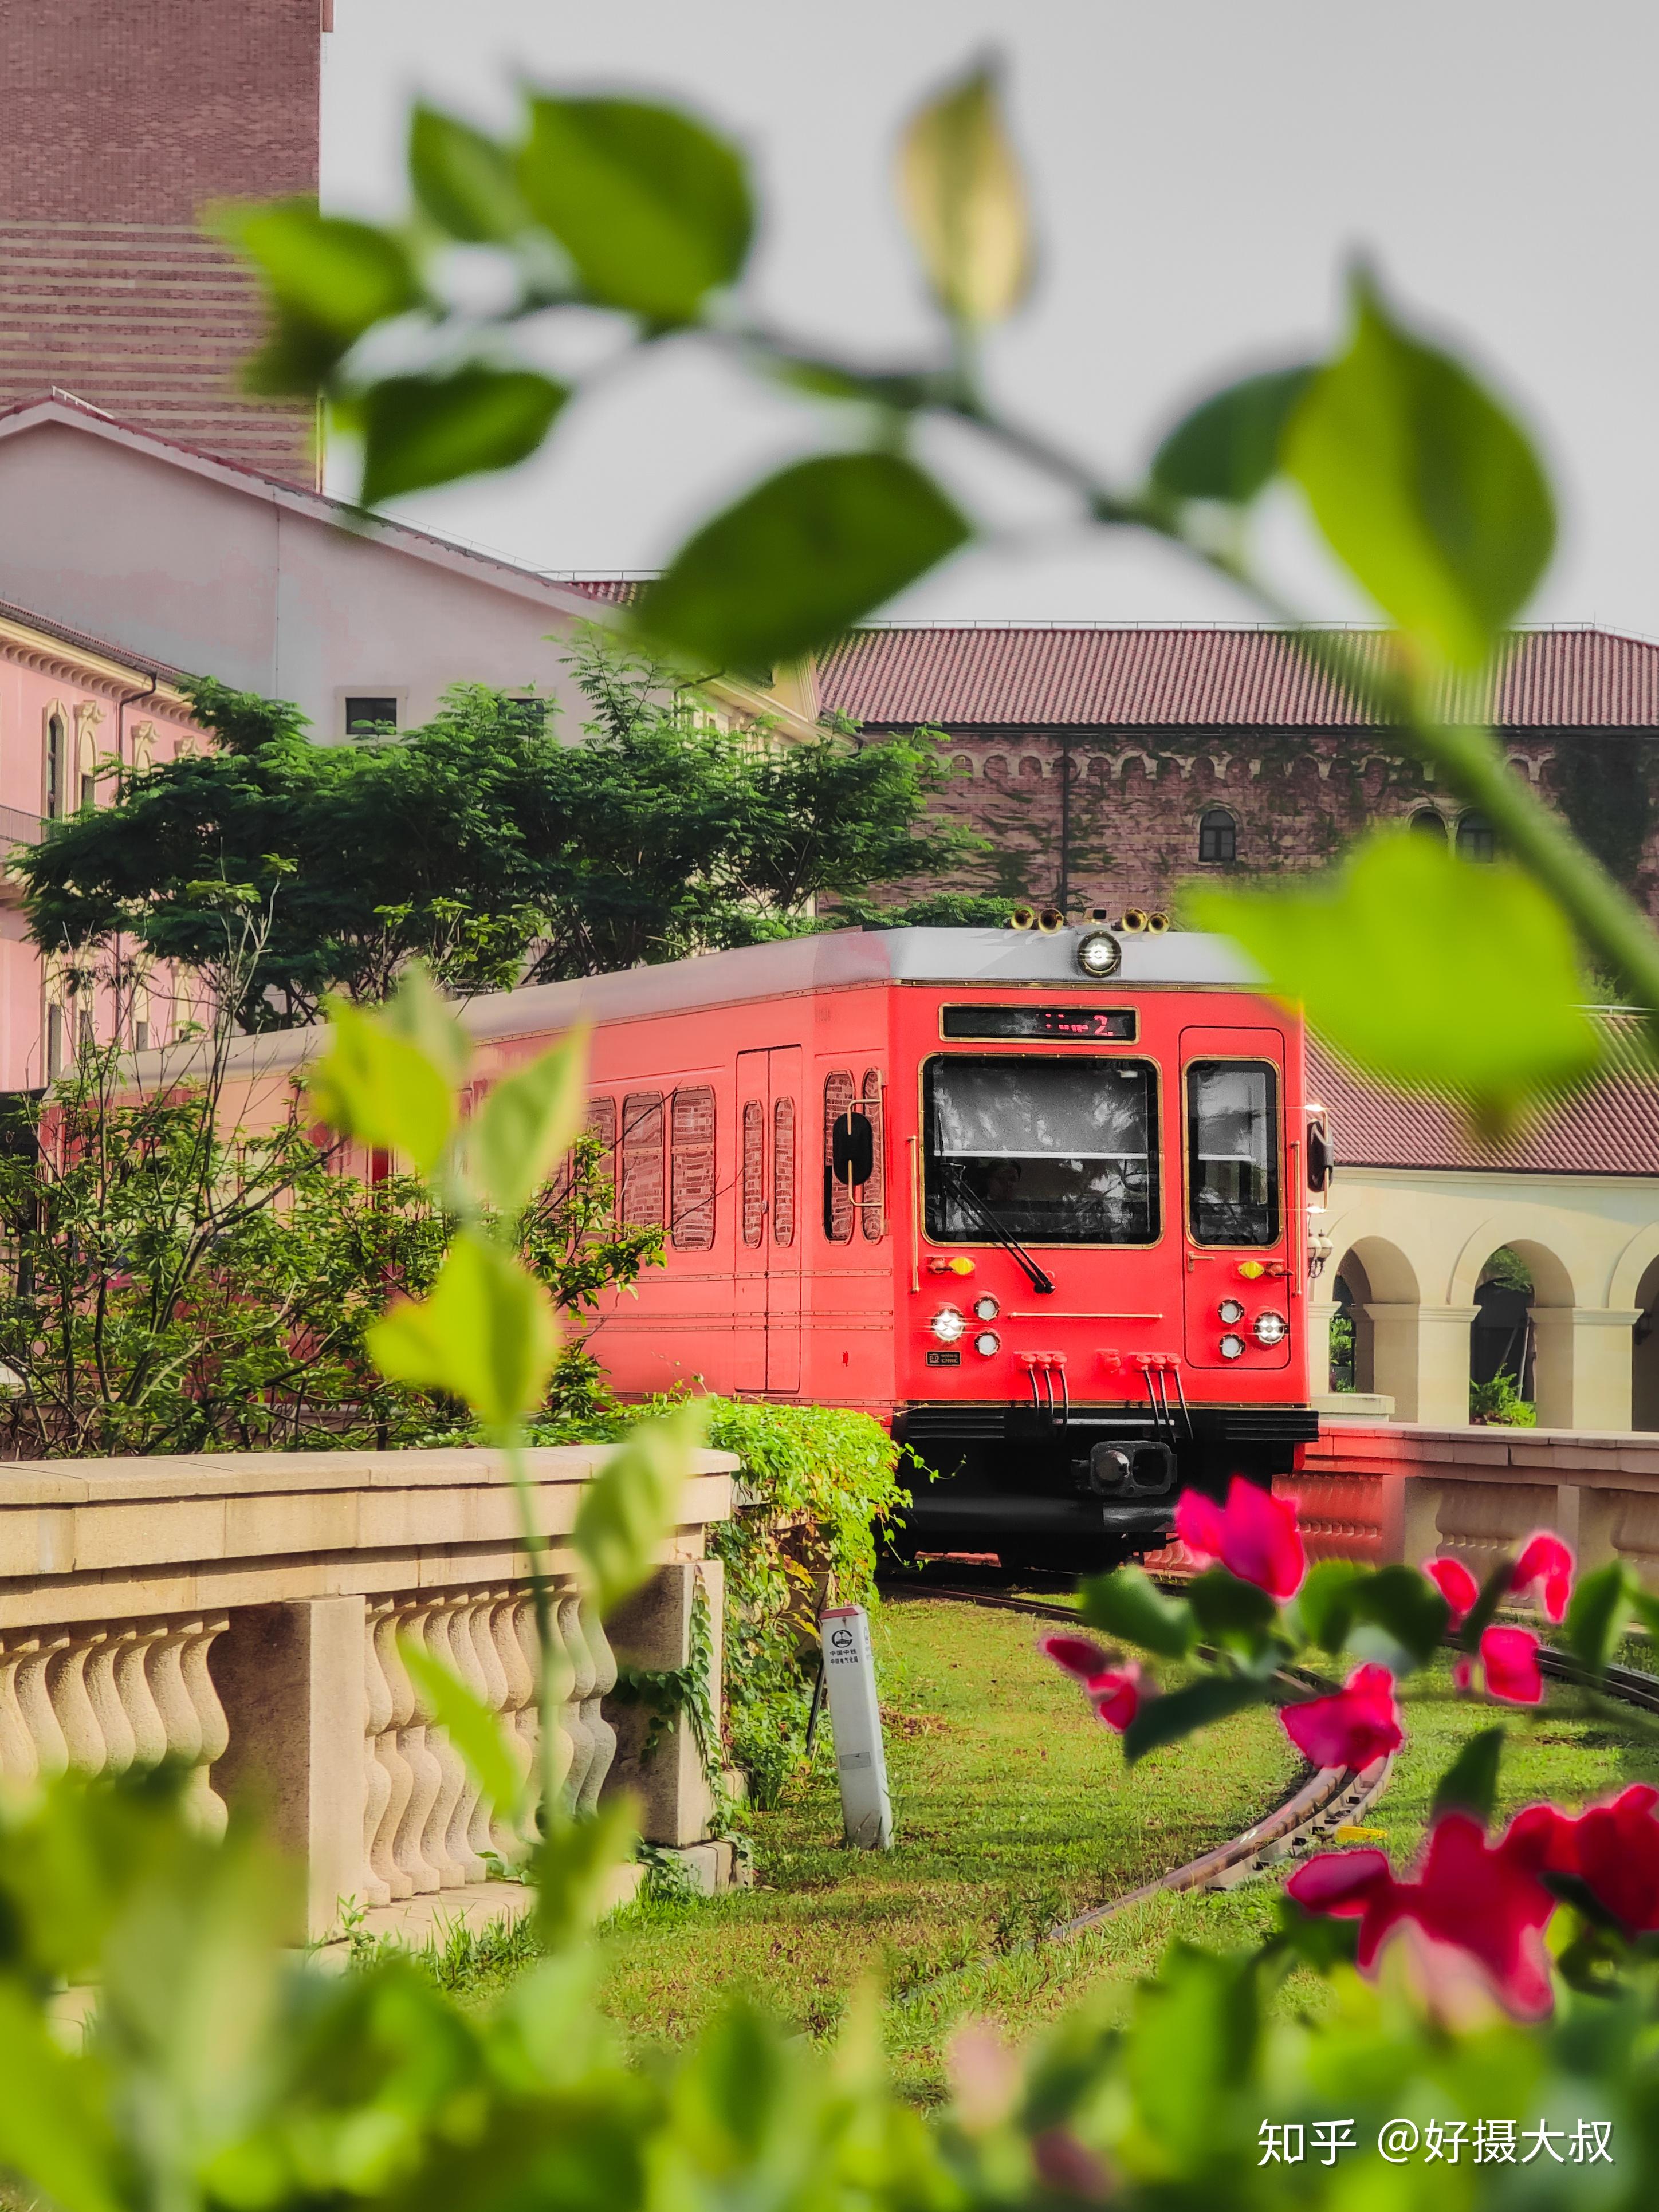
(1545, 1564)
(1484, 1899)
(1358, 1723)
(1076, 1655)
(1254, 1535)
(1510, 1657)
(1464, 1672)
(1117, 1697)
(1454, 1583)
(1615, 1851)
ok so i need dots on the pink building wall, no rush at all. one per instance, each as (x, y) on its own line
(110, 718)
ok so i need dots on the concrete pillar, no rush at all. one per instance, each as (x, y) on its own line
(1321, 1313)
(1420, 1358)
(652, 1629)
(291, 1679)
(1581, 1365)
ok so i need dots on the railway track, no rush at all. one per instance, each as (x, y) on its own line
(1332, 1798)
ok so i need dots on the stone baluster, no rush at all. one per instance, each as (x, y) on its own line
(35, 1701)
(102, 1690)
(461, 1787)
(181, 1724)
(134, 1656)
(387, 1669)
(481, 1669)
(604, 1680)
(410, 1845)
(204, 1800)
(518, 1694)
(573, 1717)
(66, 1686)
(19, 1763)
(530, 1719)
(377, 1776)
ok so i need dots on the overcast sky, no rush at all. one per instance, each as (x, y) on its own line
(1200, 173)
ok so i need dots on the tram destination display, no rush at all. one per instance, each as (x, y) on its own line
(1105, 1024)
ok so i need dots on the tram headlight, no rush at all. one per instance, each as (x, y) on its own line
(948, 1324)
(1231, 1347)
(986, 1342)
(986, 1308)
(1271, 1329)
(1098, 953)
(1231, 1311)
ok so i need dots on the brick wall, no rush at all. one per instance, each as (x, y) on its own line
(123, 121)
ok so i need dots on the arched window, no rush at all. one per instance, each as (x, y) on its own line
(1217, 837)
(1426, 822)
(1476, 838)
(57, 742)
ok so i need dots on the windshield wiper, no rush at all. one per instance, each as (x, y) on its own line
(956, 1180)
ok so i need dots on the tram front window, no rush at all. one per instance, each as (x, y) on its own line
(1232, 1153)
(1055, 1151)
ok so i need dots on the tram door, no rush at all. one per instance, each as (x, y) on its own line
(770, 1227)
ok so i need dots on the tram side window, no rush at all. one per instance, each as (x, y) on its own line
(601, 1130)
(691, 1170)
(783, 1172)
(754, 1170)
(839, 1094)
(872, 1198)
(1232, 1151)
(641, 1160)
(1051, 1152)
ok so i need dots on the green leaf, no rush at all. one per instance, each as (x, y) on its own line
(1224, 1606)
(420, 430)
(1596, 1615)
(1424, 488)
(328, 279)
(964, 200)
(1406, 1606)
(1128, 1605)
(1469, 1784)
(1482, 1614)
(572, 1867)
(1199, 1704)
(464, 180)
(1228, 447)
(473, 1728)
(799, 557)
(1645, 1606)
(487, 1336)
(652, 209)
(377, 1086)
(1428, 970)
(1324, 1606)
(629, 1507)
(54, 2137)
(418, 1012)
(526, 1121)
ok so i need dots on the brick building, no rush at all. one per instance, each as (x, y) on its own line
(123, 121)
(1107, 765)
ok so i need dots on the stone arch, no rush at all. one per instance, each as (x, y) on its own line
(962, 764)
(1644, 1350)
(1384, 1296)
(1031, 768)
(1553, 1282)
(1547, 1353)
(1624, 1280)
(996, 768)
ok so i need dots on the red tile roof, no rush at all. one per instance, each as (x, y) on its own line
(1611, 1128)
(1059, 675)
(617, 591)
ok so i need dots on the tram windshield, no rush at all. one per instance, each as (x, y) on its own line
(1056, 1152)
(1232, 1153)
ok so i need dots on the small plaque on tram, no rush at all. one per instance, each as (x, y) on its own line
(1110, 1024)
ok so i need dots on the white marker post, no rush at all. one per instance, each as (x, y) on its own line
(850, 1673)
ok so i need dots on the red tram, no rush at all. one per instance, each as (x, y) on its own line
(1037, 1199)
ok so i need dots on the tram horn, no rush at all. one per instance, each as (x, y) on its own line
(1158, 923)
(1134, 921)
(1051, 921)
(1021, 917)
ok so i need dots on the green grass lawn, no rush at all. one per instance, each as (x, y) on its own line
(1012, 1807)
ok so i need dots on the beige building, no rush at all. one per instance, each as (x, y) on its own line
(1420, 1207)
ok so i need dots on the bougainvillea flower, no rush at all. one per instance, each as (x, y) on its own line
(1455, 1584)
(1117, 1697)
(1076, 1655)
(1509, 1657)
(1254, 1535)
(1485, 1900)
(1546, 1565)
(1464, 1672)
(1615, 1849)
(1357, 1724)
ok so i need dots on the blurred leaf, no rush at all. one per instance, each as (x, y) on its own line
(1431, 971)
(1469, 1784)
(1229, 446)
(1406, 1606)
(473, 1728)
(964, 200)
(1198, 1705)
(1482, 1614)
(1324, 1605)
(652, 209)
(418, 1012)
(487, 1334)
(1596, 1615)
(1645, 1606)
(422, 430)
(572, 1869)
(526, 1121)
(1424, 488)
(377, 1086)
(629, 1507)
(799, 557)
(464, 180)
(327, 277)
(1224, 1606)
(1128, 1605)
(54, 2134)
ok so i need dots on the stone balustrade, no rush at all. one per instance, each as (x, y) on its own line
(248, 1617)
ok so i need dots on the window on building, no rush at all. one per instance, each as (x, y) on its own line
(783, 1172)
(56, 743)
(1427, 822)
(54, 1043)
(838, 1096)
(370, 718)
(1476, 838)
(1217, 837)
(641, 1160)
(754, 1170)
(691, 1170)
(88, 791)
